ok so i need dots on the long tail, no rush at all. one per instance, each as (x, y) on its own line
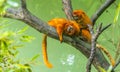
(107, 53)
(44, 51)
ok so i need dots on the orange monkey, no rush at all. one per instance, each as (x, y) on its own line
(72, 28)
(62, 26)
(81, 18)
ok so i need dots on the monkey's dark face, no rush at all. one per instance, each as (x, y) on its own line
(78, 13)
(72, 28)
(69, 29)
(78, 16)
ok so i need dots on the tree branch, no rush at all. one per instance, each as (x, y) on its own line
(23, 4)
(25, 16)
(101, 10)
(68, 11)
(67, 7)
(93, 44)
(93, 47)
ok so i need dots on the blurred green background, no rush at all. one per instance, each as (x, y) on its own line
(64, 58)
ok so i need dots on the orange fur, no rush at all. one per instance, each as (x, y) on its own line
(107, 53)
(81, 18)
(71, 28)
(84, 20)
(44, 51)
(62, 26)
(86, 35)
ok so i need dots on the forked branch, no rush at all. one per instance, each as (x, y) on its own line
(93, 44)
(67, 7)
(100, 11)
(24, 15)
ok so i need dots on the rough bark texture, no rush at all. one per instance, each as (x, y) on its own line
(25, 16)
(43, 27)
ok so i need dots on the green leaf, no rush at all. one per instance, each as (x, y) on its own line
(17, 46)
(101, 69)
(26, 38)
(22, 66)
(2, 7)
(2, 2)
(110, 68)
(1, 69)
(22, 30)
(35, 57)
(117, 14)
(6, 34)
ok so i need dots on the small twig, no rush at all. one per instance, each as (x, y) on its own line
(67, 7)
(100, 29)
(24, 10)
(101, 10)
(93, 44)
(93, 47)
(23, 4)
(43, 27)
(117, 53)
(98, 32)
(91, 57)
(104, 28)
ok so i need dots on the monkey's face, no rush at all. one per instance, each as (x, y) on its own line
(69, 30)
(78, 13)
(78, 16)
(72, 28)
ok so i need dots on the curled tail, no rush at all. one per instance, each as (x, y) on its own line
(107, 53)
(44, 51)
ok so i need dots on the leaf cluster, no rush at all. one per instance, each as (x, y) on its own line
(9, 42)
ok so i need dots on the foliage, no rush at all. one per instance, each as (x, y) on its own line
(2, 7)
(9, 42)
(117, 13)
(103, 70)
(55, 12)
(4, 4)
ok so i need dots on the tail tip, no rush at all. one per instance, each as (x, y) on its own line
(50, 66)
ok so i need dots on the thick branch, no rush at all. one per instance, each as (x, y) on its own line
(67, 7)
(101, 10)
(24, 15)
(68, 11)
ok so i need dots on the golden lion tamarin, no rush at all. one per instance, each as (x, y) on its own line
(78, 27)
(81, 18)
(84, 20)
(62, 26)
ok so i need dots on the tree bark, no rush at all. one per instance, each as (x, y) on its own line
(43, 27)
(27, 17)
